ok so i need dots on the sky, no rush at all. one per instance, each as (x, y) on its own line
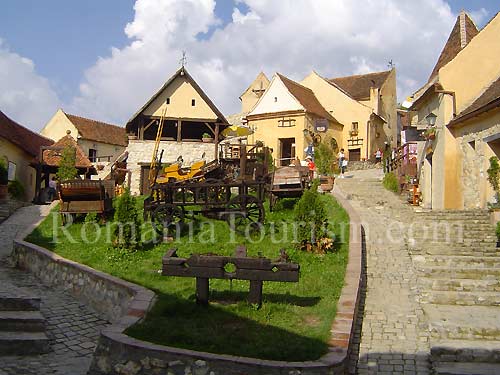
(105, 59)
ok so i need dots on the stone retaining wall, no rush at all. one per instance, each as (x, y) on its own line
(118, 353)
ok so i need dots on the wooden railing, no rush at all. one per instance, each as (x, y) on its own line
(403, 162)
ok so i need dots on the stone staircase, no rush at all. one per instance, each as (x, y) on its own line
(458, 263)
(22, 326)
(8, 206)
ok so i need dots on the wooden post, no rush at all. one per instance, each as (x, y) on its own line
(38, 182)
(243, 160)
(202, 286)
(141, 128)
(216, 141)
(255, 295)
(179, 126)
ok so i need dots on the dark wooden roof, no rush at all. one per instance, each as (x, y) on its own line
(181, 72)
(22, 137)
(306, 97)
(99, 131)
(454, 43)
(53, 157)
(358, 86)
(488, 100)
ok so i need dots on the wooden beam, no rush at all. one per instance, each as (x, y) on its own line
(216, 140)
(211, 129)
(179, 126)
(149, 124)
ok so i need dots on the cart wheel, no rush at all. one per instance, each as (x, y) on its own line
(244, 210)
(167, 216)
(216, 193)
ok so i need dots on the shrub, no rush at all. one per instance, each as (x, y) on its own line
(310, 213)
(498, 231)
(67, 169)
(4, 173)
(91, 217)
(390, 182)
(16, 189)
(127, 225)
(324, 158)
(494, 177)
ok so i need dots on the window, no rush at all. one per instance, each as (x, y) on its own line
(275, 99)
(354, 126)
(12, 171)
(92, 155)
(286, 123)
(193, 102)
(167, 101)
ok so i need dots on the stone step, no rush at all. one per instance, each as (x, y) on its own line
(12, 303)
(461, 298)
(460, 285)
(456, 261)
(463, 322)
(23, 343)
(29, 321)
(485, 351)
(466, 368)
(480, 251)
(474, 273)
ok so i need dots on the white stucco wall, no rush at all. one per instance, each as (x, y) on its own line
(277, 98)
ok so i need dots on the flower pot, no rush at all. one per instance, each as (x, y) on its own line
(4, 192)
(207, 140)
(326, 183)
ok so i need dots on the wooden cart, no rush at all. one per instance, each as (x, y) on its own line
(288, 182)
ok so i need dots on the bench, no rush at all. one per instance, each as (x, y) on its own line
(239, 267)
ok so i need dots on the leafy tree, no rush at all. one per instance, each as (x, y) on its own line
(67, 169)
(324, 158)
(494, 177)
(4, 173)
(127, 224)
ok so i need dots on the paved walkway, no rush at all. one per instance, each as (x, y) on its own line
(72, 327)
(393, 335)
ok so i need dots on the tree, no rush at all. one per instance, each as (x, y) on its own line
(494, 177)
(67, 169)
(324, 156)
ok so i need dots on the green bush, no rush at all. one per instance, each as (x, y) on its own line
(4, 173)
(324, 158)
(91, 217)
(310, 212)
(16, 189)
(498, 231)
(127, 224)
(390, 182)
(494, 177)
(67, 169)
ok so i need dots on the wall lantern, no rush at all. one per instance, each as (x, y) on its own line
(431, 119)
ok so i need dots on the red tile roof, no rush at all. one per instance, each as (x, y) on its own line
(461, 34)
(53, 157)
(358, 86)
(99, 131)
(22, 137)
(306, 97)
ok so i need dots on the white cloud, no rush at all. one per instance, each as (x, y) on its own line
(290, 36)
(479, 16)
(25, 96)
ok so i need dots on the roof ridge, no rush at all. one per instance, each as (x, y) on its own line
(89, 119)
(361, 75)
(294, 82)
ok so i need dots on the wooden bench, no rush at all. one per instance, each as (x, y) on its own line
(205, 267)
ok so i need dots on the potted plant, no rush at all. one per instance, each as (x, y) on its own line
(4, 179)
(353, 133)
(207, 138)
(429, 133)
(494, 180)
(325, 162)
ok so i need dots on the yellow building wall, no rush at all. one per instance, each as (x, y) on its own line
(475, 67)
(24, 173)
(57, 127)
(249, 98)
(180, 92)
(344, 109)
(387, 108)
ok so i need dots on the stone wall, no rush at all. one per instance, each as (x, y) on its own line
(140, 153)
(113, 298)
(361, 165)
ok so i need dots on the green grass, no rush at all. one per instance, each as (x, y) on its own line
(293, 323)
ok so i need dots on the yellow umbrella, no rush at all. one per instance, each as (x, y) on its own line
(237, 131)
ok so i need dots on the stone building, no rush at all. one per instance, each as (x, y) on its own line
(462, 95)
(192, 127)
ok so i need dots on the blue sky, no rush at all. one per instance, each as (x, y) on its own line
(70, 43)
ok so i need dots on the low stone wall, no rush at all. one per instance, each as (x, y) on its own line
(118, 353)
(362, 165)
(111, 297)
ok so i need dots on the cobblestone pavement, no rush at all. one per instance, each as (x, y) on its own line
(72, 327)
(393, 333)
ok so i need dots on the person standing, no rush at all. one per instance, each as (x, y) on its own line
(311, 166)
(341, 157)
(378, 155)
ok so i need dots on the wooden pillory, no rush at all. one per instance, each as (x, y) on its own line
(239, 267)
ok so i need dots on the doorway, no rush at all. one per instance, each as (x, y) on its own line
(354, 154)
(287, 151)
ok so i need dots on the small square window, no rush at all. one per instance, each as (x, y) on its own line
(193, 102)
(275, 99)
(167, 101)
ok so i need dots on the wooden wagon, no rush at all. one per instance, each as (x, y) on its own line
(288, 182)
(85, 196)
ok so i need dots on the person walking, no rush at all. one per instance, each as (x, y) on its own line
(378, 155)
(341, 158)
(311, 166)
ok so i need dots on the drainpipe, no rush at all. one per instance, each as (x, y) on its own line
(452, 93)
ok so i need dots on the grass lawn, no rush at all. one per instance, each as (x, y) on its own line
(295, 318)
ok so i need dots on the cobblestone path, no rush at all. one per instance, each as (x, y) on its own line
(393, 335)
(72, 327)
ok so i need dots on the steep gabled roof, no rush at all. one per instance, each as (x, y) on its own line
(306, 97)
(461, 34)
(99, 131)
(358, 86)
(53, 157)
(488, 100)
(261, 77)
(181, 72)
(22, 137)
